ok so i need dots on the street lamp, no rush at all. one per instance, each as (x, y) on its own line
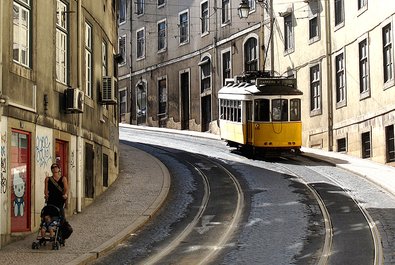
(243, 9)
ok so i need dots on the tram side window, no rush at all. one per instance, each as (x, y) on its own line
(295, 110)
(230, 110)
(222, 109)
(239, 111)
(227, 116)
(262, 110)
(280, 110)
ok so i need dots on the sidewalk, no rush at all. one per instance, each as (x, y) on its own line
(380, 174)
(140, 190)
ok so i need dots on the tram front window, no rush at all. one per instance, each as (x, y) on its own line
(280, 110)
(262, 110)
(295, 109)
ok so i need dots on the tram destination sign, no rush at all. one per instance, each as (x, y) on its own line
(291, 82)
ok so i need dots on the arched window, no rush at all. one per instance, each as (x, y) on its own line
(250, 55)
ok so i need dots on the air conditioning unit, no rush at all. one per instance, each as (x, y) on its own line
(74, 100)
(108, 95)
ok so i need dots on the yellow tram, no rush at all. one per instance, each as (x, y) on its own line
(261, 114)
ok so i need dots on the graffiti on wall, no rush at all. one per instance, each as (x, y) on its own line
(43, 151)
(72, 160)
(3, 162)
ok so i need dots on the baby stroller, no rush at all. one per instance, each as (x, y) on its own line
(57, 220)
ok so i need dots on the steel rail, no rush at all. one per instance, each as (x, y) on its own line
(176, 242)
(323, 260)
(378, 249)
(236, 216)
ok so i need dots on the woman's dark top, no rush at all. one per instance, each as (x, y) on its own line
(55, 196)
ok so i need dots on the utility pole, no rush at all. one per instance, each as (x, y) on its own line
(271, 38)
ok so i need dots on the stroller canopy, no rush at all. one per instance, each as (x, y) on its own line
(50, 210)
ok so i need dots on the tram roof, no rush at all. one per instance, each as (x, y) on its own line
(275, 88)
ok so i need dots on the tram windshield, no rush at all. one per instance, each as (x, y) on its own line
(262, 110)
(280, 109)
(295, 109)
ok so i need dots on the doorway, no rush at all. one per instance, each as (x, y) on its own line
(20, 181)
(61, 154)
(184, 85)
(89, 183)
(141, 101)
(206, 113)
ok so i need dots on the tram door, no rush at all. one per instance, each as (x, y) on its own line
(249, 122)
(20, 181)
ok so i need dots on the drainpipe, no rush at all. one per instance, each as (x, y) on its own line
(79, 85)
(1, 92)
(262, 53)
(329, 75)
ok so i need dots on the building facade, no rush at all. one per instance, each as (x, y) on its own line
(342, 55)
(57, 96)
(341, 52)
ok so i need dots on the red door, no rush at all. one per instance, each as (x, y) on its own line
(61, 156)
(20, 181)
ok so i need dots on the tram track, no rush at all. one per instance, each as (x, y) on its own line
(193, 245)
(336, 228)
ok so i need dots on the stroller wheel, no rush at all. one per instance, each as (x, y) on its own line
(55, 245)
(35, 245)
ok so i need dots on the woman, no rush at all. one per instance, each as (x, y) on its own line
(56, 189)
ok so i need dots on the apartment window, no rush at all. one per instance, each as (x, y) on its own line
(104, 58)
(162, 90)
(161, 3)
(365, 138)
(288, 34)
(362, 3)
(122, 101)
(140, 36)
(251, 55)
(205, 74)
(387, 54)
(226, 67)
(341, 145)
(184, 27)
(162, 35)
(315, 90)
(204, 17)
(122, 48)
(225, 11)
(21, 32)
(314, 27)
(252, 5)
(340, 79)
(390, 143)
(139, 7)
(339, 12)
(122, 11)
(363, 68)
(61, 53)
(88, 60)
